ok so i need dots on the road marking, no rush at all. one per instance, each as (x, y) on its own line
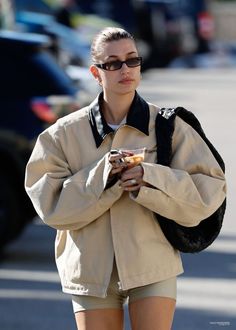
(207, 294)
(27, 275)
(33, 294)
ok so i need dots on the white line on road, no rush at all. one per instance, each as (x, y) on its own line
(33, 294)
(26, 275)
(207, 294)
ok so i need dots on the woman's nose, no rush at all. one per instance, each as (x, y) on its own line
(124, 67)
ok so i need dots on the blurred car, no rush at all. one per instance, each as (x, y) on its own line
(34, 92)
(73, 46)
(173, 28)
(70, 46)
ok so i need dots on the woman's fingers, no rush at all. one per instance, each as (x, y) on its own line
(133, 173)
(128, 186)
(132, 179)
(116, 159)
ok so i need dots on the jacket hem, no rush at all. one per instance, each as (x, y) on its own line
(138, 281)
(132, 282)
(85, 292)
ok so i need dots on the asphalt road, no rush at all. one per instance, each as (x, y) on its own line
(30, 292)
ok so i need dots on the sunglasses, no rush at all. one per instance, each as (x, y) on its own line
(117, 65)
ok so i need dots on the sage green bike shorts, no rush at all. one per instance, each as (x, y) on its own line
(116, 298)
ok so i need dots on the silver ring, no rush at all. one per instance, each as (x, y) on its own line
(133, 181)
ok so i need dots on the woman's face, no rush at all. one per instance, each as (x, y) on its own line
(124, 80)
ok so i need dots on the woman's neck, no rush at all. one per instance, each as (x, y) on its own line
(116, 107)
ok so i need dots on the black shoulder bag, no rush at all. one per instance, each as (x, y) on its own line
(186, 239)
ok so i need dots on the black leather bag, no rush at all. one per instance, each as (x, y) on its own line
(186, 239)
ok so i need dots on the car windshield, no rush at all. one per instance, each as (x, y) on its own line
(35, 74)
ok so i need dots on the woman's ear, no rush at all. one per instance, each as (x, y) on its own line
(94, 70)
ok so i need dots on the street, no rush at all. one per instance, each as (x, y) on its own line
(30, 292)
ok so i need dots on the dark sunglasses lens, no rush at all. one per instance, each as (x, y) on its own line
(132, 62)
(115, 65)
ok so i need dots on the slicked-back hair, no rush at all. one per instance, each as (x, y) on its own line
(104, 36)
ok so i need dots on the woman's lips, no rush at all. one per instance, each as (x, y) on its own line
(126, 81)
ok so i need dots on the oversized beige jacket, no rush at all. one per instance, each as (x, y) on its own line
(66, 179)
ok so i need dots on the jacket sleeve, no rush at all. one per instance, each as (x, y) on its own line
(192, 188)
(64, 200)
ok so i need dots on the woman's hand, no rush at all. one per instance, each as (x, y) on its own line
(132, 179)
(116, 158)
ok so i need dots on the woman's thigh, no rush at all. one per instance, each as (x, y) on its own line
(152, 313)
(152, 306)
(100, 319)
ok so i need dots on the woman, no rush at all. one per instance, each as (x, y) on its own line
(109, 247)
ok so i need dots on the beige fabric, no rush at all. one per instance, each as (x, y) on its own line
(65, 179)
(116, 298)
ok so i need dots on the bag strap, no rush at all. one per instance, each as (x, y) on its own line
(165, 125)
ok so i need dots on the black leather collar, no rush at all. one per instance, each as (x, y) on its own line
(138, 117)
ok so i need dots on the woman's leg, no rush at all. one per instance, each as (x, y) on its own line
(100, 319)
(152, 313)
(152, 306)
